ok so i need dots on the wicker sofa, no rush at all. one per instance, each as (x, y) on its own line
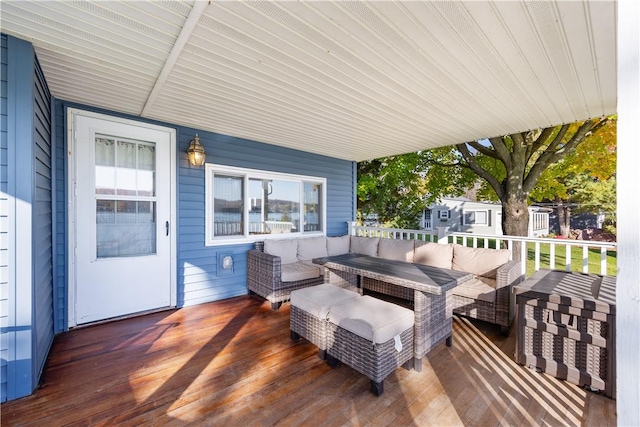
(276, 267)
(487, 297)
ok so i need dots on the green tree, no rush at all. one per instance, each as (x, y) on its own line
(582, 181)
(392, 189)
(510, 167)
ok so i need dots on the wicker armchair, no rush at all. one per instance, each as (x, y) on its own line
(264, 277)
(502, 310)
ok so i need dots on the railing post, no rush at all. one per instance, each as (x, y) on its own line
(351, 228)
(442, 235)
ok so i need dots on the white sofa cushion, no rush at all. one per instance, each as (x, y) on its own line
(338, 245)
(479, 261)
(401, 250)
(433, 254)
(287, 249)
(364, 245)
(372, 319)
(477, 289)
(318, 300)
(299, 271)
(312, 247)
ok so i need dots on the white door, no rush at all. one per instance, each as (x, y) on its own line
(122, 222)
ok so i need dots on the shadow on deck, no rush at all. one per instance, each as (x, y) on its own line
(232, 363)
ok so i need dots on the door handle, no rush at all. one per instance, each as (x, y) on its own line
(166, 224)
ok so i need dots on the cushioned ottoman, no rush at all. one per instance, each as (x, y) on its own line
(372, 336)
(309, 310)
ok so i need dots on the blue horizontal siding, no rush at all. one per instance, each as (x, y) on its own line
(228, 151)
(42, 224)
(197, 276)
(26, 284)
(59, 170)
(4, 241)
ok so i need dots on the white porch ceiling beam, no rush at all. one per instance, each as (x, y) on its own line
(189, 25)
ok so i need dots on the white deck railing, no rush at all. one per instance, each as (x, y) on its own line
(530, 253)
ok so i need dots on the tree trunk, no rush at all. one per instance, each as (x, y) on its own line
(564, 217)
(515, 219)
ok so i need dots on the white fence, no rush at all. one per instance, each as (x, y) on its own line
(556, 247)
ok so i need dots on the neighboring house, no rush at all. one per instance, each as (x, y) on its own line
(577, 221)
(462, 215)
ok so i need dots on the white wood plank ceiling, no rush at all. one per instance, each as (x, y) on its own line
(354, 80)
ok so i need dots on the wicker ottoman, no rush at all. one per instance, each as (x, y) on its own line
(372, 336)
(309, 310)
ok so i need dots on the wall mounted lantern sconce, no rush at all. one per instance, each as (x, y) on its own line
(196, 152)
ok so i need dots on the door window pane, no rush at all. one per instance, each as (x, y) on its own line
(125, 228)
(146, 183)
(312, 206)
(105, 152)
(126, 155)
(124, 168)
(146, 157)
(126, 182)
(228, 205)
(105, 166)
(146, 170)
(106, 212)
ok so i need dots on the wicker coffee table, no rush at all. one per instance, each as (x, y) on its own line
(431, 288)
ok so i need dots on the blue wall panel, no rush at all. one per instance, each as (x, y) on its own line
(60, 289)
(197, 274)
(42, 224)
(26, 273)
(4, 219)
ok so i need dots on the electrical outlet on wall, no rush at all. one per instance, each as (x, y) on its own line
(225, 264)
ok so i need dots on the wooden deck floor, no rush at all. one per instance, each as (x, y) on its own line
(232, 363)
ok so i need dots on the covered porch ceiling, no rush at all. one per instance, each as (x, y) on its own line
(353, 80)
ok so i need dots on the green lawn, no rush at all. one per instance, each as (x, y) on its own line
(576, 259)
(560, 257)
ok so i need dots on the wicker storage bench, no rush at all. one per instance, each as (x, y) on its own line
(309, 312)
(566, 327)
(372, 336)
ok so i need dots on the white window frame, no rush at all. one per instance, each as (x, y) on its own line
(466, 211)
(211, 169)
(444, 214)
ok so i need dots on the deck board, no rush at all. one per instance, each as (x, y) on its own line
(231, 362)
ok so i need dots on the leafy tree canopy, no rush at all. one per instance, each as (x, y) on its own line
(595, 159)
(510, 169)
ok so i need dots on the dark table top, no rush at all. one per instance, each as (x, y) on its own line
(417, 276)
(582, 290)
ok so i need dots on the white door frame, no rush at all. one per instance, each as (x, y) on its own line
(71, 208)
